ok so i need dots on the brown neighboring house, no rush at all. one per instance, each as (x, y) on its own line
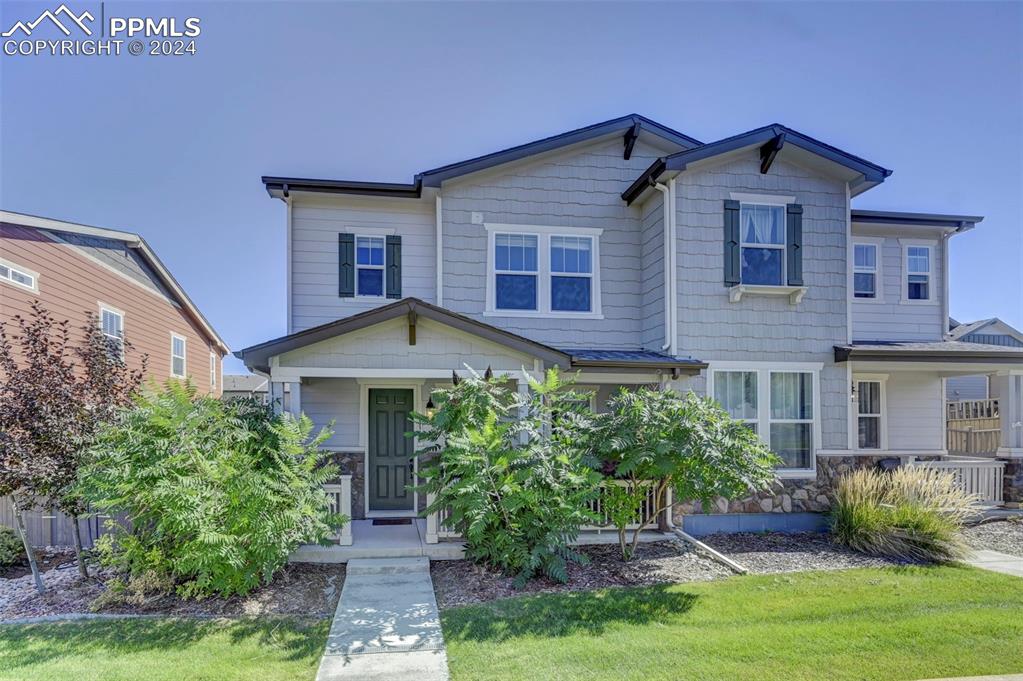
(75, 269)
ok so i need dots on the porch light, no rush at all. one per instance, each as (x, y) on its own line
(852, 392)
(431, 408)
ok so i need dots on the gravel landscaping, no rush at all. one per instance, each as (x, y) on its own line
(1005, 535)
(299, 589)
(774, 552)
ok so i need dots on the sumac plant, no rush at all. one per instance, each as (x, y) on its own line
(512, 472)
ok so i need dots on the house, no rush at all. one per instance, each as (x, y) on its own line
(987, 331)
(633, 254)
(76, 270)
(251, 385)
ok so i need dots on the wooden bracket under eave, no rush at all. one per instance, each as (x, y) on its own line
(411, 327)
(769, 151)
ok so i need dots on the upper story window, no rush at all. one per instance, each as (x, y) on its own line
(369, 265)
(543, 270)
(762, 229)
(178, 359)
(865, 259)
(111, 323)
(18, 276)
(918, 272)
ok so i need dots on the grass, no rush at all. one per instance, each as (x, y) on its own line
(158, 650)
(904, 623)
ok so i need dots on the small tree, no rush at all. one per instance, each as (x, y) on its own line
(660, 440)
(512, 471)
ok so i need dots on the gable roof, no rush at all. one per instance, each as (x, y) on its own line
(962, 330)
(139, 246)
(631, 124)
(775, 134)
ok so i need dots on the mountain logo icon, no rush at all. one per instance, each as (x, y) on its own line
(53, 16)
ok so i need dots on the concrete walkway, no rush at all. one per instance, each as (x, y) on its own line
(386, 625)
(997, 562)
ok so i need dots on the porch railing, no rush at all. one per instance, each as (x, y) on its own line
(341, 502)
(982, 477)
(961, 410)
(980, 437)
(436, 529)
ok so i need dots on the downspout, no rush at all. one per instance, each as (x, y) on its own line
(673, 277)
(666, 219)
(440, 252)
(945, 333)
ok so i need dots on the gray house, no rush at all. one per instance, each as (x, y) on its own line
(632, 254)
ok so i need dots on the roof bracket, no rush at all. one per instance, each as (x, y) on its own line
(769, 151)
(412, 326)
(630, 139)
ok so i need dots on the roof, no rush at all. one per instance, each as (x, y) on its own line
(258, 357)
(962, 330)
(133, 241)
(436, 176)
(775, 134)
(925, 351)
(959, 223)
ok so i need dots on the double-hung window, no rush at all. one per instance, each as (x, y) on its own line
(369, 266)
(865, 257)
(19, 276)
(762, 234)
(111, 323)
(178, 350)
(918, 272)
(543, 271)
(778, 402)
(869, 413)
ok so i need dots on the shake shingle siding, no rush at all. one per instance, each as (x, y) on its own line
(652, 283)
(766, 329)
(580, 188)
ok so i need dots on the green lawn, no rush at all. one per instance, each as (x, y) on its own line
(886, 624)
(158, 650)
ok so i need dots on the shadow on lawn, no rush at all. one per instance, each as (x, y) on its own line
(25, 645)
(588, 612)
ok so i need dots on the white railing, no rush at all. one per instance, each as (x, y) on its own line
(436, 529)
(341, 502)
(982, 477)
(961, 410)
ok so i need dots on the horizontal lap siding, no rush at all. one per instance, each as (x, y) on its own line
(316, 224)
(71, 285)
(766, 329)
(575, 189)
(326, 400)
(893, 318)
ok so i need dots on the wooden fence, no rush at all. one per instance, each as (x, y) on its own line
(50, 527)
(974, 427)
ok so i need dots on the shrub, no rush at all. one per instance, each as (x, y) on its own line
(512, 471)
(12, 551)
(217, 494)
(912, 512)
(685, 443)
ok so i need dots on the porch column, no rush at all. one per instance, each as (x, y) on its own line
(1010, 412)
(275, 395)
(523, 390)
(295, 404)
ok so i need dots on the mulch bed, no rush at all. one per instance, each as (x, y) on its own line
(772, 552)
(459, 582)
(1005, 535)
(300, 589)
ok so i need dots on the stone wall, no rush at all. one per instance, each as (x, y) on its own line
(1012, 484)
(788, 496)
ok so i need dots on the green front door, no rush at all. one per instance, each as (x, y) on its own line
(390, 453)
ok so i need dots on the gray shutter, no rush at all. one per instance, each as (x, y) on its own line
(794, 243)
(732, 265)
(393, 262)
(346, 265)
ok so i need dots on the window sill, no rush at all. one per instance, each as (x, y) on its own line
(794, 293)
(917, 301)
(543, 315)
(869, 301)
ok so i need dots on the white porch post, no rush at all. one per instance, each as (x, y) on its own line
(1010, 413)
(275, 394)
(345, 507)
(523, 389)
(432, 521)
(295, 407)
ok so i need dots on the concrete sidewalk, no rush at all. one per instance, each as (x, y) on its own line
(997, 562)
(386, 625)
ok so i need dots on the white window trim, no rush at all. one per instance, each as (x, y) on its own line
(213, 370)
(24, 271)
(764, 371)
(854, 413)
(382, 268)
(932, 248)
(878, 271)
(103, 307)
(543, 233)
(184, 357)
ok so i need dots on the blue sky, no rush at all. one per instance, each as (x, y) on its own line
(173, 147)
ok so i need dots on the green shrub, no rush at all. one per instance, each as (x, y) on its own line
(513, 472)
(218, 494)
(12, 551)
(912, 512)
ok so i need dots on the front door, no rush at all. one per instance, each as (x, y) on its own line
(389, 469)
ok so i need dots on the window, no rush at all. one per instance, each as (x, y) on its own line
(369, 266)
(111, 322)
(543, 270)
(516, 273)
(19, 276)
(779, 402)
(868, 414)
(213, 370)
(918, 272)
(762, 236)
(177, 356)
(736, 391)
(865, 270)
